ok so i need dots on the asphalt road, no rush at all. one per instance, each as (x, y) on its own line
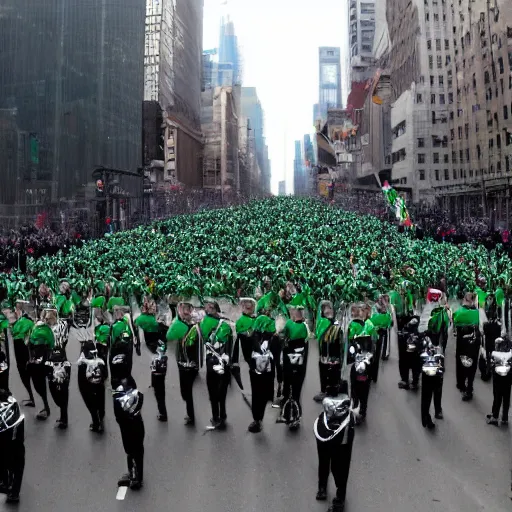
(397, 465)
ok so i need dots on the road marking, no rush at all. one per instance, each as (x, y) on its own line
(121, 493)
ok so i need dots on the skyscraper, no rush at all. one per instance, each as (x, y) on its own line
(71, 90)
(229, 66)
(329, 80)
(298, 170)
(361, 34)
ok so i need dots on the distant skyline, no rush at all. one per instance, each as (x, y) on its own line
(279, 44)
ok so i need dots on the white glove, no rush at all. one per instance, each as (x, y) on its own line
(225, 358)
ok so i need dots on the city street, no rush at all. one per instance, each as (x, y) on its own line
(397, 465)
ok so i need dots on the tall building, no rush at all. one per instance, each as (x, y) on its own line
(251, 108)
(173, 79)
(71, 90)
(480, 112)
(299, 171)
(329, 81)
(282, 188)
(229, 65)
(361, 39)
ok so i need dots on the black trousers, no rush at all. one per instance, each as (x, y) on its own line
(334, 457)
(187, 378)
(330, 376)
(408, 362)
(12, 459)
(262, 387)
(60, 394)
(360, 390)
(501, 390)
(37, 372)
(22, 356)
(217, 390)
(158, 383)
(380, 350)
(293, 380)
(121, 371)
(466, 376)
(93, 396)
(4, 380)
(431, 387)
(132, 434)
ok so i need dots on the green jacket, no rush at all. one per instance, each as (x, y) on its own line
(245, 324)
(439, 320)
(188, 350)
(295, 330)
(98, 302)
(264, 324)
(42, 335)
(147, 323)
(22, 327)
(382, 320)
(466, 316)
(102, 333)
(115, 301)
(208, 326)
(121, 331)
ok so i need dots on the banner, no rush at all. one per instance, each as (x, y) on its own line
(397, 203)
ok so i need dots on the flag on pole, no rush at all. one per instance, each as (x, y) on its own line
(397, 203)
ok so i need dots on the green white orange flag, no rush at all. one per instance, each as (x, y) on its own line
(397, 203)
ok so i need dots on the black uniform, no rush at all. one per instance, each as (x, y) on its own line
(20, 332)
(12, 446)
(431, 384)
(501, 360)
(330, 340)
(5, 362)
(128, 403)
(409, 351)
(334, 432)
(360, 373)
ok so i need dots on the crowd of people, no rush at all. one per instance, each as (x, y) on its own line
(272, 334)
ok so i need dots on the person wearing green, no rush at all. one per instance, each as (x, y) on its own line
(491, 331)
(256, 337)
(357, 320)
(330, 343)
(121, 345)
(466, 321)
(382, 321)
(66, 300)
(189, 353)
(40, 344)
(439, 323)
(295, 355)
(4, 353)
(21, 330)
(154, 335)
(218, 342)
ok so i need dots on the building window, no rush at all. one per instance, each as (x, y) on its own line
(441, 81)
(421, 158)
(461, 156)
(477, 127)
(454, 173)
(467, 155)
(433, 117)
(500, 64)
(429, 45)
(441, 99)
(452, 134)
(430, 62)
(498, 141)
(436, 158)
(419, 98)
(454, 157)
(450, 100)
(439, 62)
(421, 143)
(422, 174)
(432, 99)
(436, 17)
(446, 158)
(498, 166)
(466, 130)
(427, 16)
(460, 132)
(437, 174)
(399, 130)
(446, 44)
(478, 151)
(450, 83)
(470, 173)
(505, 112)
(487, 78)
(446, 175)
(438, 45)
(431, 81)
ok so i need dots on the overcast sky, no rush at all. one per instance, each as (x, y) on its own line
(279, 41)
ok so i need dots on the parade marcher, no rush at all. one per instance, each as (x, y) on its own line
(295, 355)
(12, 446)
(492, 331)
(21, 330)
(217, 336)
(466, 321)
(154, 336)
(501, 380)
(92, 373)
(409, 354)
(44, 300)
(122, 344)
(128, 401)
(382, 320)
(189, 347)
(257, 339)
(330, 340)
(5, 361)
(334, 432)
(440, 320)
(40, 346)
(431, 382)
(58, 367)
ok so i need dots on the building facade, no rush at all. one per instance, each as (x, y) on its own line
(71, 90)
(230, 64)
(361, 39)
(329, 93)
(173, 79)
(299, 170)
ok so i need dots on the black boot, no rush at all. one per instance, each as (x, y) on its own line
(321, 495)
(337, 506)
(255, 427)
(124, 481)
